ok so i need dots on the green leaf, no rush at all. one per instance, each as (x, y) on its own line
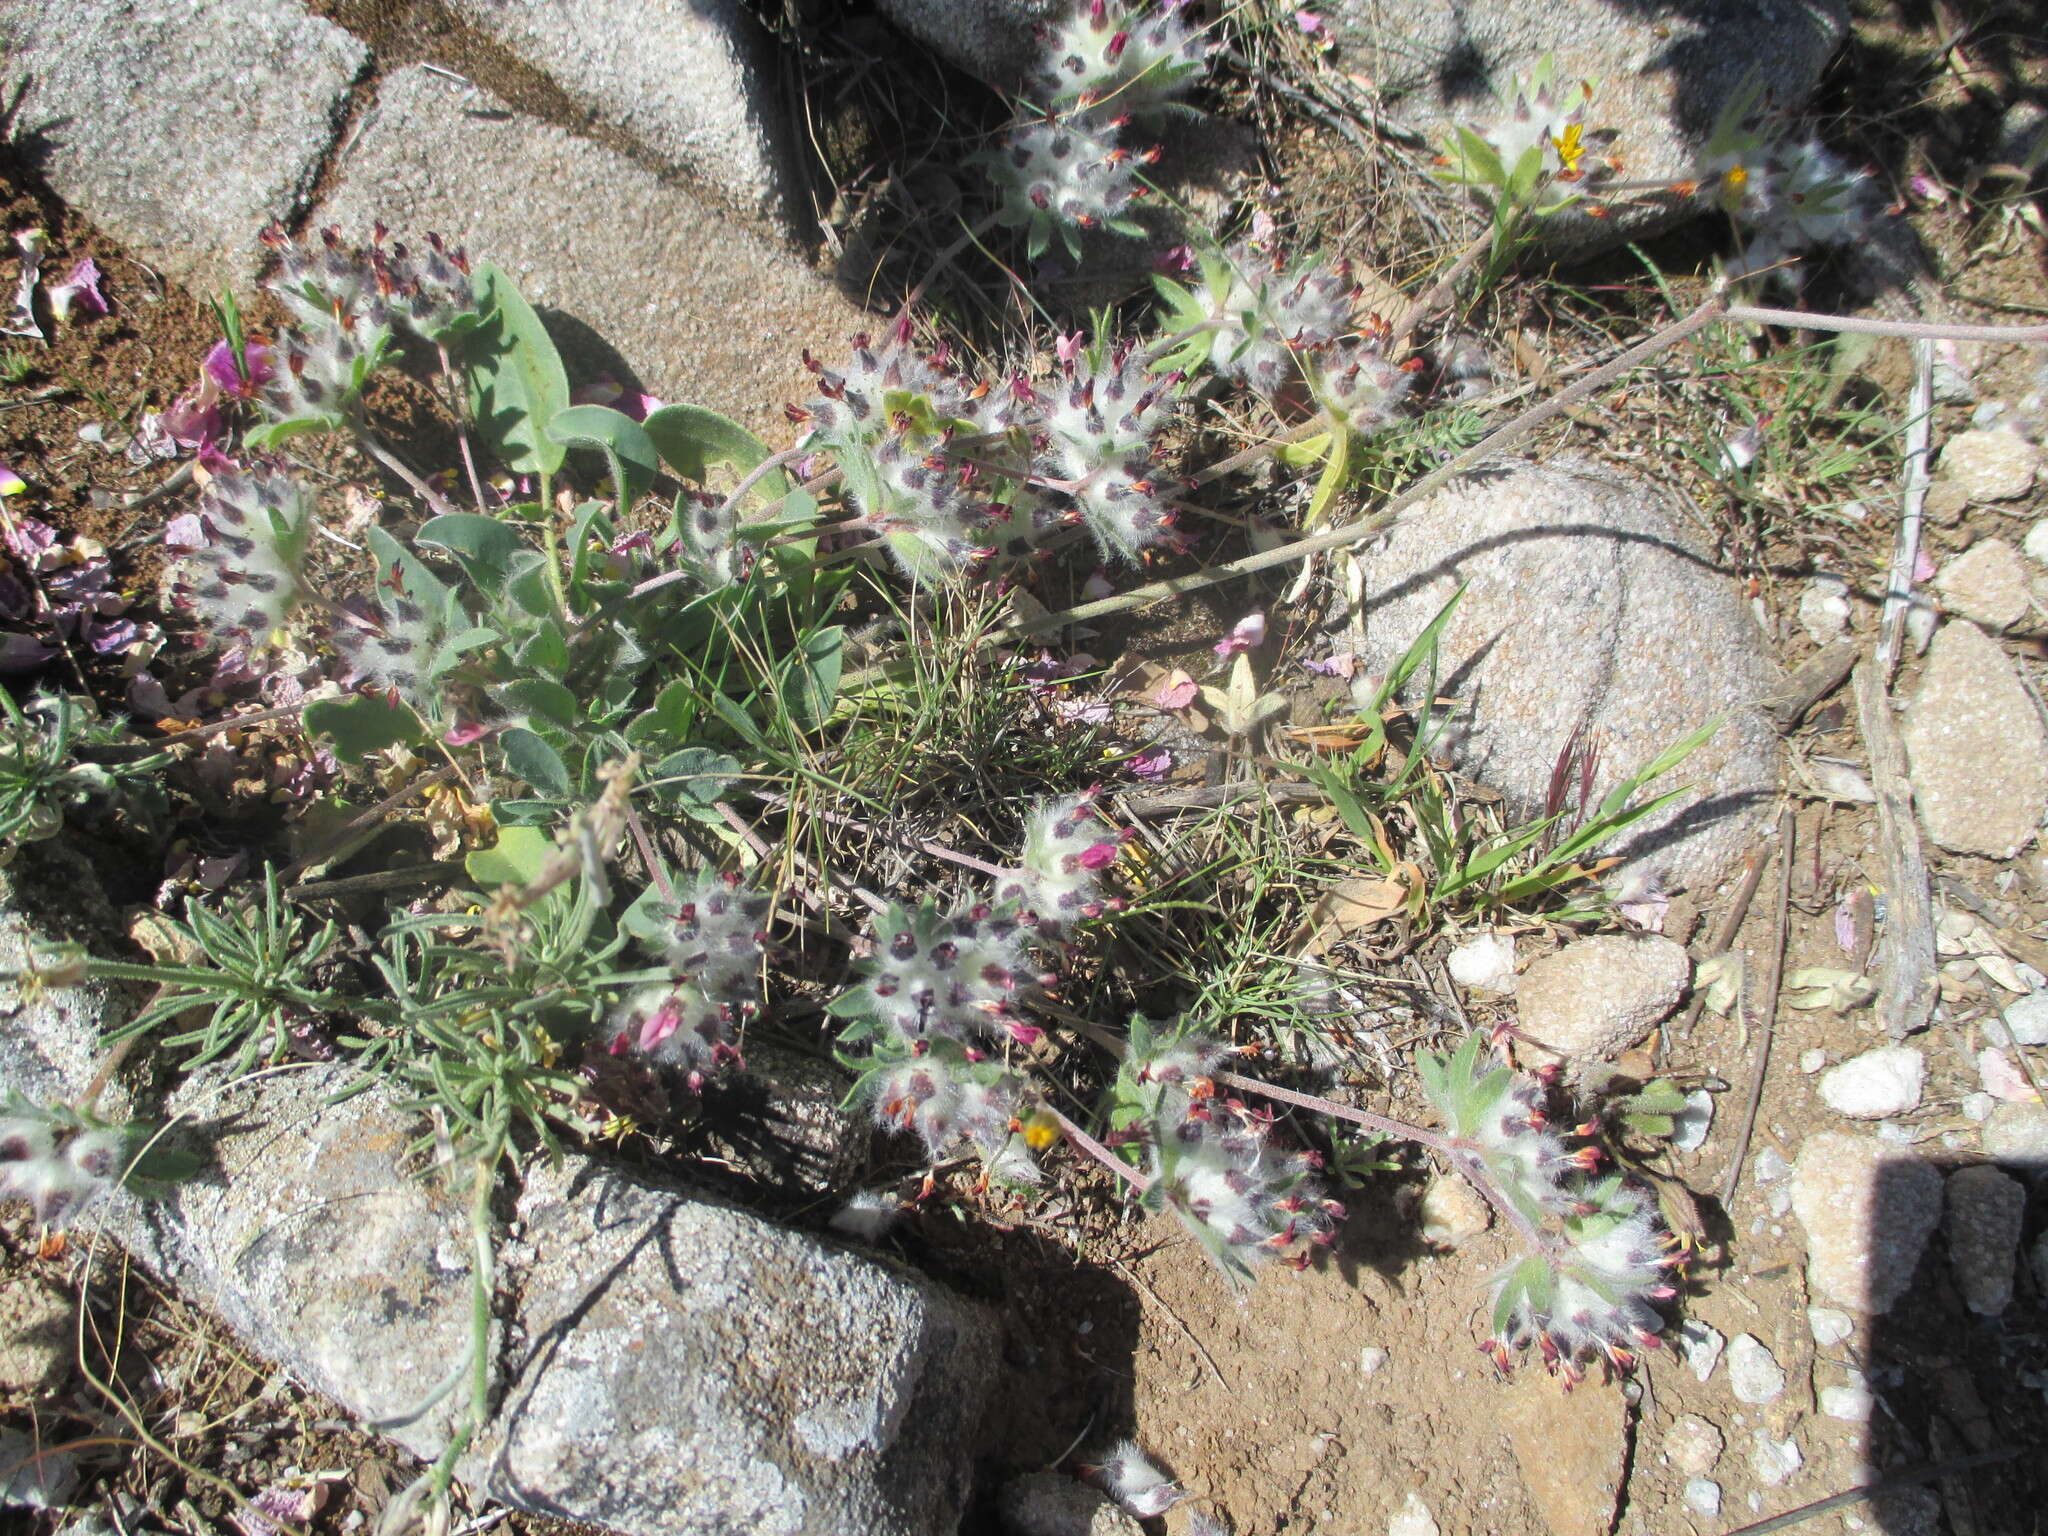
(544, 650)
(812, 682)
(516, 859)
(483, 546)
(517, 384)
(528, 756)
(628, 449)
(361, 724)
(695, 776)
(691, 439)
(543, 697)
(1336, 470)
(526, 583)
(1309, 450)
(412, 578)
(650, 919)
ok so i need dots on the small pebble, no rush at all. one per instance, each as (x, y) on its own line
(1978, 1106)
(1875, 1085)
(1830, 1325)
(2036, 544)
(2027, 1020)
(1850, 1401)
(1691, 1124)
(1773, 1462)
(1412, 1519)
(1701, 1345)
(1692, 1445)
(1771, 1166)
(1812, 1061)
(1703, 1497)
(1371, 1358)
(1985, 1209)
(1991, 465)
(1753, 1372)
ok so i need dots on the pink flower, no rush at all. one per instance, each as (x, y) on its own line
(1176, 691)
(11, 483)
(1067, 348)
(1096, 586)
(1310, 23)
(1343, 664)
(463, 735)
(1250, 632)
(1151, 766)
(661, 1023)
(1176, 259)
(81, 288)
(605, 390)
(220, 370)
(1098, 855)
(194, 418)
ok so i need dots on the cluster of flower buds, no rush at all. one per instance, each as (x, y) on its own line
(713, 950)
(952, 474)
(1063, 165)
(349, 304)
(887, 421)
(1058, 881)
(1098, 434)
(1214, 1163)
(1601, 1255)
(57, 1160)
(403, 651)
(1275, 325)
(248, 576)
(1789, 196)
(939, 996)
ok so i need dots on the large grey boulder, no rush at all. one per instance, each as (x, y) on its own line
(1590, 608)
(180, 127)
(693, 84)
(617, 261)
(312, 1239)
(1661, 75)
(995, 39)
(664, 1363)
(687, 1369)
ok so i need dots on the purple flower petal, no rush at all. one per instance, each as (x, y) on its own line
(1151, 766)
(80, 290)
(20, 654)
(1250, 632)
(11, 483)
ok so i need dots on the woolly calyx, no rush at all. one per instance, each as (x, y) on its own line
(1541, 116)
(248, 578)
(402, 653)
(1066, 173)
(715, 940)
(1265, 313)
(956, 974)
(1358, 387)
(1135, 57)
(370, 288)
(713, 948)
(946, 1095)
(1212, 1161)
(58, 1161)
(855, 407)
(1135, 1482)
(1066, 847)
(1593, 1294)
(1124, 512)
(1099, 424)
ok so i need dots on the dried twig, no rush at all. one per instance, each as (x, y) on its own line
(1898, 586)
(1905, 955)
(1811, 681)
(1767, 1006)
(1910, 1477)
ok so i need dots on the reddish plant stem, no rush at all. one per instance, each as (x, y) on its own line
(1100, 1153)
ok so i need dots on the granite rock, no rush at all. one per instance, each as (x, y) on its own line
(1052, 1504)
(1979, 758)
(693, 84)
(632, 275)
(1595, 998)
(1987, 584)
(1868, 1209)
(1990, 463)
(180, 127)
(1590, 609)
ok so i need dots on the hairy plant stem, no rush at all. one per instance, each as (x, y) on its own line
(482, 1290)
(391, 461)
(1099, 1152)
(455, 408)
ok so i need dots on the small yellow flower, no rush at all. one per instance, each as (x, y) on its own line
(1571, 147)
(1041, 1131)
